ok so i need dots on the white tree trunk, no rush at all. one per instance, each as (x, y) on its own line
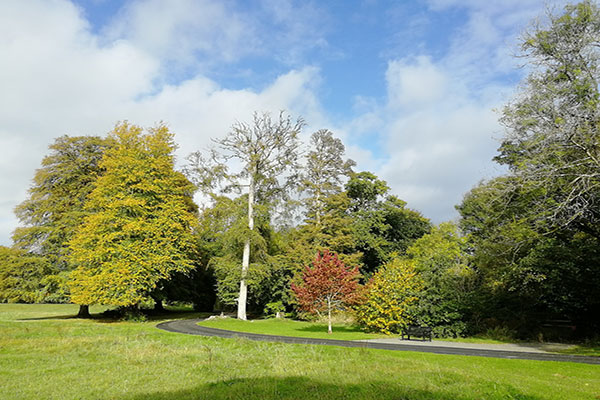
(242, 298)
(329, 330)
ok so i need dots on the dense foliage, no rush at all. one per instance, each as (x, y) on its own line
(448, 281)
(534, 232)
(53, 211)
(116, 220)
(326, 286)
(140, 230)
(390, 298)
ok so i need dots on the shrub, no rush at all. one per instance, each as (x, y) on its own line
(390, 297)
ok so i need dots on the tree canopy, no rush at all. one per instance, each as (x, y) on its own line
(140, 230)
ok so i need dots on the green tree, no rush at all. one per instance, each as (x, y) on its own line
(527, 228)
(222, 234)
(389, 301)
(26, 277)
(381, 223)
(440, 259)
(139, 230)
(267, 150)
(55, 208)
(324, 172)
(527, 273)
(551, 142)
(327, 224)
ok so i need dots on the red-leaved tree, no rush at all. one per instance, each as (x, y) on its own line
(327, 286)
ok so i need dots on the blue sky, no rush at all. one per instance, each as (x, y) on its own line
(409, 86)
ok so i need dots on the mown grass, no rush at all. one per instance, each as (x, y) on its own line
(45, 354)
(288, 327)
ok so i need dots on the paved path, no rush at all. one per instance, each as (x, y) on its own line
(190, 327)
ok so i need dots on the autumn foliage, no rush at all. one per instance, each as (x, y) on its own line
(140, 230)
(391, 297)
(327, 285)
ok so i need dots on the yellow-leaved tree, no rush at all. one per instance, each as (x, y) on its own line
(139, 230)
(390, 297)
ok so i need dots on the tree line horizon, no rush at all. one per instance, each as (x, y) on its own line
(111, 221)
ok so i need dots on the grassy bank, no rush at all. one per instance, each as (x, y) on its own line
(46, 354)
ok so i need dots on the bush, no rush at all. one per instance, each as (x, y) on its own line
(390, 298)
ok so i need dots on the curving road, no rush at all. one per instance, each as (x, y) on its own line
(190, 327)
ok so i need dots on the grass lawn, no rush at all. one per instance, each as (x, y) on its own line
(288, 327)
(46, 354)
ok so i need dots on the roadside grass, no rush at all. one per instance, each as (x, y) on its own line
(584, 349)
(47, 354)
(288, 327)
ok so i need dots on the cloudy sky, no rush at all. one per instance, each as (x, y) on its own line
(409, 86)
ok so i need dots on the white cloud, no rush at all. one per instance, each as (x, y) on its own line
(57, 77)
(413, 83)
(179, 31)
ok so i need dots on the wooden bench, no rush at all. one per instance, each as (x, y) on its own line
(424, 332)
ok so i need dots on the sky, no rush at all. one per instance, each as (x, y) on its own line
(413, 88)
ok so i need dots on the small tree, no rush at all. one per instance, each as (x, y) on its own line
(390, 298)
(327, 286)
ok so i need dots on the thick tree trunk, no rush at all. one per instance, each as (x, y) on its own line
(158, 304)
(243, 296)
(84, 311)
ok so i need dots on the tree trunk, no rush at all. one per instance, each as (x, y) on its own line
(318, 208)
(241, 314)
(158, 304)
(329, 330)
(84, 311)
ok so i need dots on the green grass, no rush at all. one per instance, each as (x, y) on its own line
(46, 354)
(586, 349)
(288, 327)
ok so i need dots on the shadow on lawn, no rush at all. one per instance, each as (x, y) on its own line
(336, 328)
(268, 388)
(110, 316)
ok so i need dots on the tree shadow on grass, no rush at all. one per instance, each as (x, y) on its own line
(288, 388)
(110, 316)
(336, 328)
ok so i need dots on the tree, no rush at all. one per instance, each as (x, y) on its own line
(526, 229)
(222, 233)
(267, 150)
(327, 286)
(382, 224)
(390, 297)
(527, 273)
(440, 259)
(139, 230)
(25, 277)
(324, 171)
(55, 208)
(551, 141)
